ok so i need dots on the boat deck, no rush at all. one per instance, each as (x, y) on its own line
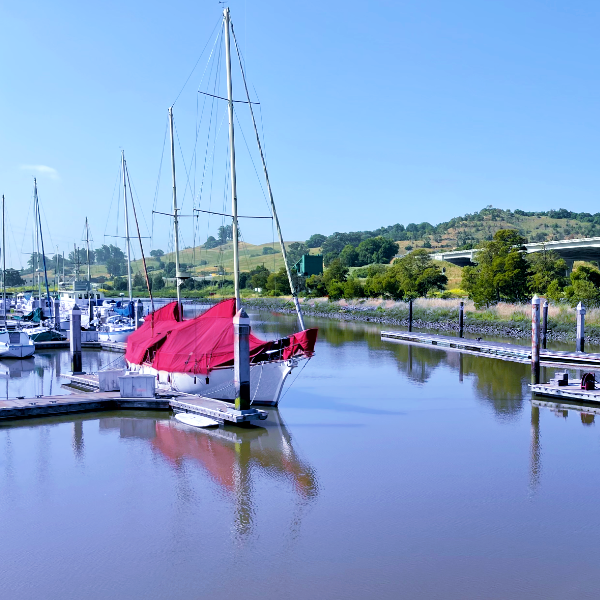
(571, 392)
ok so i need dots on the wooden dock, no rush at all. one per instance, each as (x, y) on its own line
(44, 406)
(65, 344)
(503, 351)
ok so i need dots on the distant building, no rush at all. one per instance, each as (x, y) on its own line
(309, 264)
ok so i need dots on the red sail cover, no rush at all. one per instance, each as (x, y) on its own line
(201, 344)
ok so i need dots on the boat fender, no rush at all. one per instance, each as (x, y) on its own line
(194, 380)
(169, 378)
(207, 381)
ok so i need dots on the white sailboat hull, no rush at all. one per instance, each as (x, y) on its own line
(16, 350)
(115, 336)
(266, 381)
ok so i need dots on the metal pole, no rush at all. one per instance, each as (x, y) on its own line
(580, 327)
(535, 340)
(410, 315)
(461, 318)
(236, 260)
(126, 226)
(544, 324)
(175, 219)
(276, 219)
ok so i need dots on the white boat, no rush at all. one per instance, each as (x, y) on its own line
(197, 356)
(116, 329)
(196, 420)
(15, 344)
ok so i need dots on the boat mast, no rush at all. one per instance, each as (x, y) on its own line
(264, 164)
(175, 218)
(3, 264)
(39, 214)
(236, 260)
(37, 240)
(89, 280)
(126, 228)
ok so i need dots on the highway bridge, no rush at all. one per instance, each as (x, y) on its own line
(587, 249)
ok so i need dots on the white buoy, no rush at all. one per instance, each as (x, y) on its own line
(196, 420)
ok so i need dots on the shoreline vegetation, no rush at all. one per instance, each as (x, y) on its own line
(503, 319)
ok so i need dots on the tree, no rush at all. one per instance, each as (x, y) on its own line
(269, 250)
(158, 283)
(278, 282)
(349, 256)
(376, 250)
(584, 288)
(81, 256)
(316, 240)
(295, 250)
(170, 269)
(211, 242)
(104, 253)
(502, 270)
(139, 281)
(12, 277)
(257, 277)
(157, 253)
(36, 259)
(545, 267)
(115, 267)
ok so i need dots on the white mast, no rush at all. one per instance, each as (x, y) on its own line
(37, 240)
(262, 157)
(236, 261)
(126, 228)
(175, 218)
(89, 279)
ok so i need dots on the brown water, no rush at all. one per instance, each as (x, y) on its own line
(389, 471)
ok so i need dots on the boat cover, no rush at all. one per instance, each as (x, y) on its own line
(202, 344)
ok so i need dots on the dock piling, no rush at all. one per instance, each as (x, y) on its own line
(241, 359)
(535, 340)
(461, 318)
(75, 340)
(57, 313)
(580, 328)
(410, 314)
(544, 324)
(137, 313)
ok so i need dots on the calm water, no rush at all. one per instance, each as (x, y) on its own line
(389, 471)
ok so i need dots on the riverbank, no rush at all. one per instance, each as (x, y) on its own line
(505, 320)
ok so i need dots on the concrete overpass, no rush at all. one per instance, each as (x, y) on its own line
(587, 249)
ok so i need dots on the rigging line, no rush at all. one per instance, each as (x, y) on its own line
(140, 238)
(137, 196)
(156, 189)
(157, 212)
(252, 161)
(25, 230)
(201, 54)
(226, 99)
(210, 212)
(112, 199)
(185, 189)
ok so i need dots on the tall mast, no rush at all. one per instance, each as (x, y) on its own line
(89, 280)
(126, 227)
(3, 264)
(39, 214)
(175, 217)
(264, 164)
(37, 239)
(236, 260)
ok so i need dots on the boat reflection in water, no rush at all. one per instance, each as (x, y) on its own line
(232, 457)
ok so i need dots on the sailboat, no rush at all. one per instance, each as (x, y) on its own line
(119, 326)
(196, 356)
(13, 344)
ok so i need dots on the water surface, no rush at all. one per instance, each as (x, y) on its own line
(389, 471)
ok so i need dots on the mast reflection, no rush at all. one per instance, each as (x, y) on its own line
(232, 457)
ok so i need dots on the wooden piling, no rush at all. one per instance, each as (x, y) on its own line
(75, 340)
(461, 318)
(137, 313)
(580, 343)
(544, 323)
(410, 314)
(241, 359)
(535, 340)
(57, 314)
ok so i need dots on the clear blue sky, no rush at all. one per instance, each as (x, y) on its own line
(373, 112)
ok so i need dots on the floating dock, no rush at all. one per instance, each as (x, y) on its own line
(571, 392)
(44, 406)
(511, 352)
